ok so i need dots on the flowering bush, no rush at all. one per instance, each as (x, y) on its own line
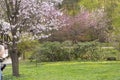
(84, 26)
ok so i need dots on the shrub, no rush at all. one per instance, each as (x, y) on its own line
(66, 51)
(49, 51)
(26, 48)
(86, 50)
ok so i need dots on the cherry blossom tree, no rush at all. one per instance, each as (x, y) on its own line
(84, 26)
(21, 18)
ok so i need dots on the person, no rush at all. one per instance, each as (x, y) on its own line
(3, 55)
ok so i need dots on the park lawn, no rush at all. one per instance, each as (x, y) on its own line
(66, 71)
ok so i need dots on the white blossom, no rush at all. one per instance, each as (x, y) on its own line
(35, 17)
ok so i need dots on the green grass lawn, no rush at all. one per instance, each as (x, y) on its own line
(66, 71)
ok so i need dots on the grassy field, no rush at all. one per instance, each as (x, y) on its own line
(66, 71)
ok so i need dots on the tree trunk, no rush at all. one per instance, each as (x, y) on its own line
(15, 64)
(15, 61)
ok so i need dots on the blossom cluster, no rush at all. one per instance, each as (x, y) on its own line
(32, 16)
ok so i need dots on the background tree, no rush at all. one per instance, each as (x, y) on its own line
(111, 7)
(84, 26)
(71, 6)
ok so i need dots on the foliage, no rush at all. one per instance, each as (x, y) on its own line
(66, 51)
(86, 51)
(49, 51)
(84, 26)
(110, 6)
(26, 48)
(69, 51)
(106, 52)
(71, 6)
